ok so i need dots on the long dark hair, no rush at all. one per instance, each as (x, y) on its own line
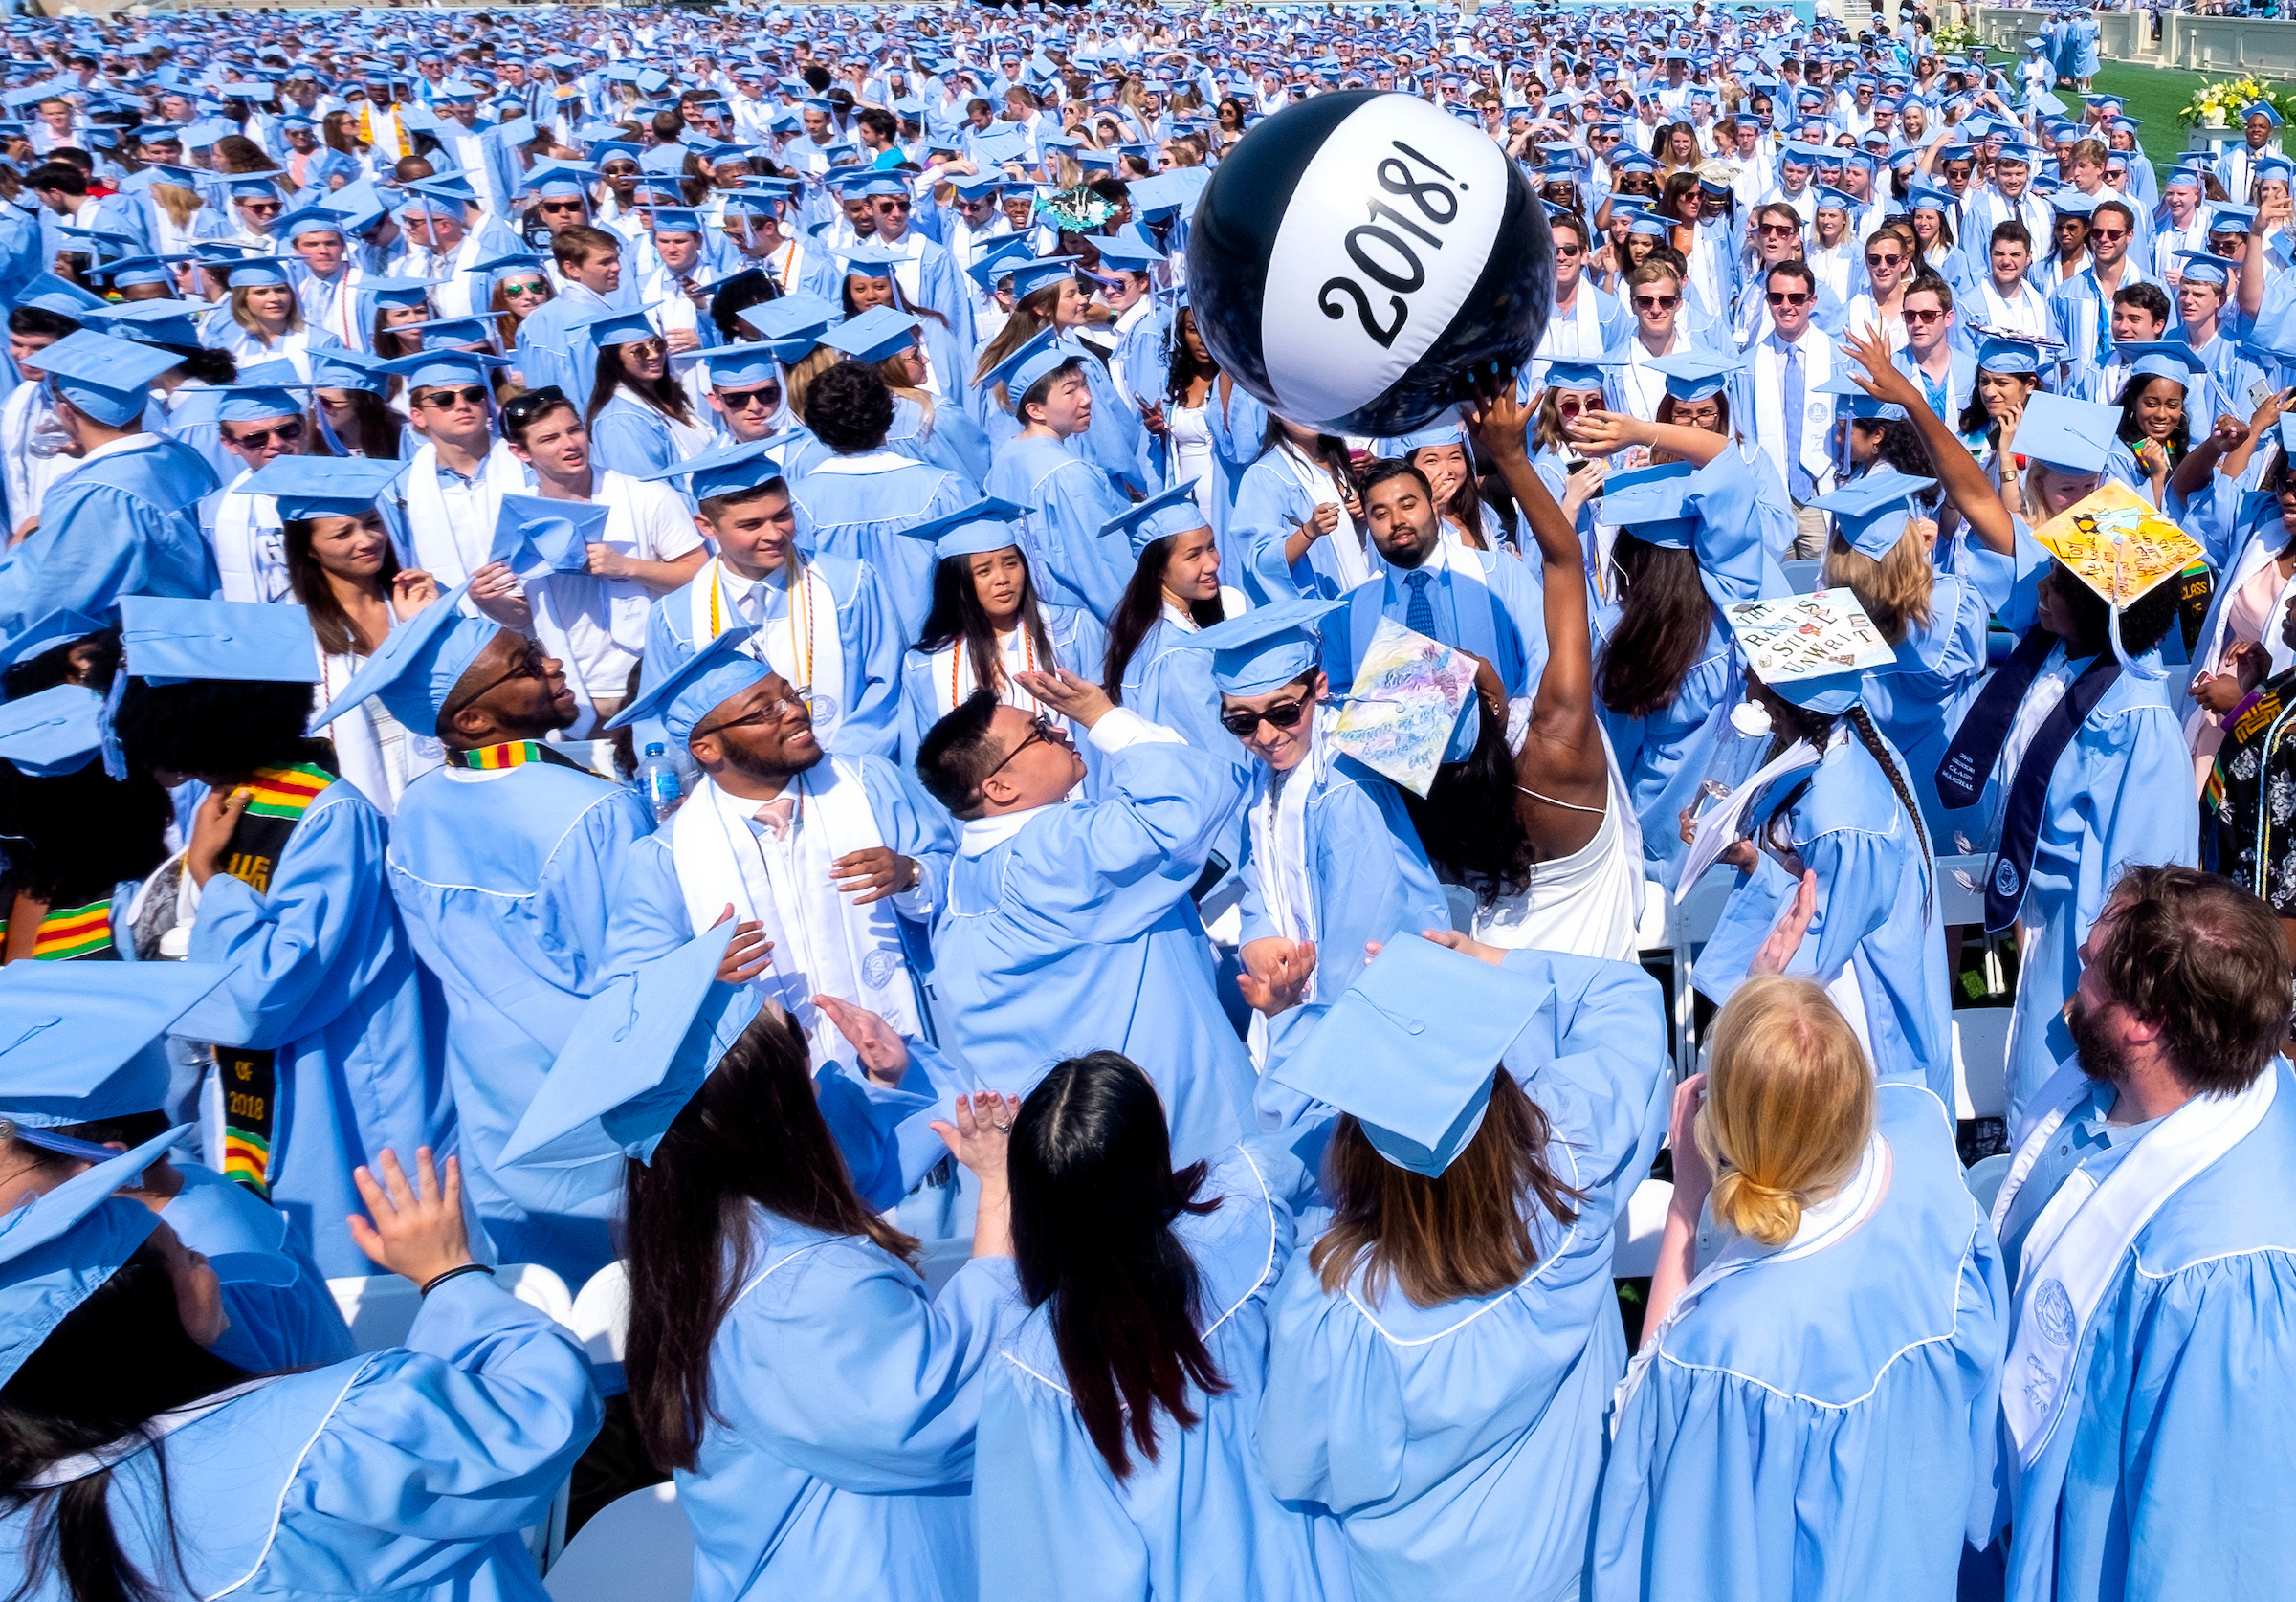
(1467, 822)
(1792, 723)
(2131, 433)
(1182, 369)
(307, 581)
(375, 430)
(688, 1233)
(1903, 448)
(1136, 614)
(957, 617)
(70, 839)
(114, 1362)
(664, 394)
(1664, 620)
(1330, 452)
(1093, 1200)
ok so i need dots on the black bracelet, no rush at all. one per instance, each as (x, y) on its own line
(456, 1274)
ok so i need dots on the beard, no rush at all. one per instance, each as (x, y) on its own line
(2103, 1057)
(741, 762)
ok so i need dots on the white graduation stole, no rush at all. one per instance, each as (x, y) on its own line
(451, 554)
(821, 943)
(2073, 1251)
(953, 680)
(1347, 544)
(804, 645)
(251, 545)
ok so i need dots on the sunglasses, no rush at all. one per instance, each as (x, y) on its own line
(1040, 728)
(1284, 714)
(888, 202)
(1929, 317)
(654, 347)
(262, 208)
(288, 433)
(742, 400)
(535, 287)
(519, 407)
(2109, 237)
(1656, 302)
(1875, 258)
(1780, 229)
(559, 206)
(468, 394)
(1789, 298)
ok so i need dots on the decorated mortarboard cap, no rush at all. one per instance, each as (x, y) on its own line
(1410, 1048)
(1843, 386)
(1870, 512)
(878, 333)
(971, 531)
(2168, 358)
(728, 470)
(1160, 516)
(638, 1053)
(684, 697)
(58, 1249)
(1697, 375)
(107, 378)
(1265, 650)
(534, 536)
(176, 640)
(1042, 354)
(414, 670)
(86, 1039)
(1815, 650)
(57, 731)
(2001, 351)
(323, 486)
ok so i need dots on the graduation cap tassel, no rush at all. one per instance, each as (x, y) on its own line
(2112, 629)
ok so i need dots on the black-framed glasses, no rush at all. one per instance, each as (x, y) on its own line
(767, 395)
(1656, 302)
(532, 664)
(558, 205)
(1789, 298)
(772, 712)
(520, 409)
(289, 432)
(467, 394)
(1284, 714)
(1040, 728)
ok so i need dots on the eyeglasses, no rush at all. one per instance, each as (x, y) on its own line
(1040, 728)
(892, 203)
(558, 205)
(260, 208)
(518, 409)
(1243, 721)
(2103, 238)
(1875, 258)
(1570, 250)
(536, 286)
(288, 433)
(1789, 298)
(1656, 302)
(742, 400)
(1780, 229)
(532, 664)
(772, 712)
(468, 394)
(1929, 317)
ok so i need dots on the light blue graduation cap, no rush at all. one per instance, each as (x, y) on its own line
(57, 626)
(1697, 375)
(1042, 354)
(1411, 1047)
(1826, 690)
(876, 334)
(617, 327)
(971, 531)
(2001, 351)
(728, 470)
(684, 698)
(1843, 387)
(535, 536)
(1651, 504)
(314, 219)
(108, 380)
(636, 1055)
(2168, 358)
(58, 1249)
(2072, 203)
(743, 366)
(1871, 511)
(323, 486)
(263, 390)
(2231, 217)
(1577, 374)
(61, 296)
(86, 1040)
(792, 317)
(2071, 436)
(2264, 109)
(2206, 266)
(169, 639)
(57, 731)
(430, 369)
(999, 259)
(1264, 649)
(415, 669)
(1160, 516)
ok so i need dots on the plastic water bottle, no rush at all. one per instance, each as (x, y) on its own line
(659, 779)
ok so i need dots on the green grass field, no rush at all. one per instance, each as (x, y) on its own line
(2153, 94)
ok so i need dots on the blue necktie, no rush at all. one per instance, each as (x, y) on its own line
(1799, 483)
(1419, 613)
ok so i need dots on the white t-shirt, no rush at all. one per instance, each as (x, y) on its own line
(605, 618)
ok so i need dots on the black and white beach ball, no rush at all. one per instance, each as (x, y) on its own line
(1358, 254)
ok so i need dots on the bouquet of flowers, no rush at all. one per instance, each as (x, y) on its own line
(2220, 104)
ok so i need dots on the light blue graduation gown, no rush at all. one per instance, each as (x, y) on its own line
(1170, 682)
(1239, 431)
(1510, 590)
(1271, 503)
(1199, 1522)
(868, 636)
(1069, 501)
(857, 506)
(506, 880)
(1079, 643)
(1111, 441)
(1877, 908)
(2169, 1469)
(127, 524)
(838, 1459)
(952, 441)
(282, 1314)
(322, 974)
(1367, 877)
(630, 437)
(1466, 1440)
(407, 1473)
(1076, 933)
(1822, 1426)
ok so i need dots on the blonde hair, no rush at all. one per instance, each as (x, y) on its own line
(181, 203)
(1895, 591)
(799, 375)
(244, 316)
(1789, 1105)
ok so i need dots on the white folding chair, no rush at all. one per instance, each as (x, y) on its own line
(600, 1318)
(1642, 1222)
(638, 1549)
(379, 1307)
(1981, 1063)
